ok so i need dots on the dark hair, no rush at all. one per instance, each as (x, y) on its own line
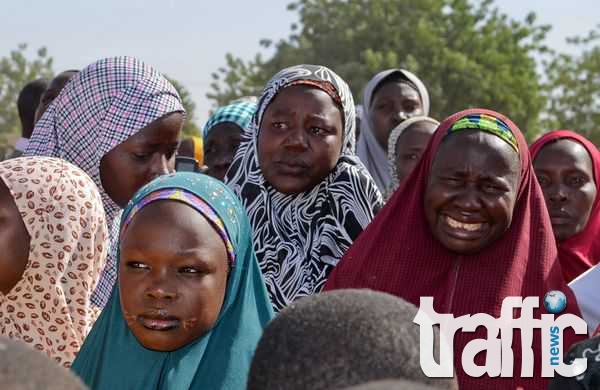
(395, 77)
(339, 339)
(25, 368)
(27, 103)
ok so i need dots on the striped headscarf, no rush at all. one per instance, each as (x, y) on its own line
(101, 107)
(299, 238)
(239, 113)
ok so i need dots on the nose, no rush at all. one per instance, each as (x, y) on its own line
(468, 201)
(557, 194)
(296, 139)
(159, 165)
(160, 289)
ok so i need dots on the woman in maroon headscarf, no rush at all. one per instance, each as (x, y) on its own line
(567, 166)
(468, 227)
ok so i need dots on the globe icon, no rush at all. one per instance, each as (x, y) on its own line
(555, 301)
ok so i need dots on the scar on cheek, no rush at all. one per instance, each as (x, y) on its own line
(190, 323)
(129, 318)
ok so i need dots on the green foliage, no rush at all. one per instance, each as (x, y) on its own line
(468, 55)
(16, 70)
(189, 128)
(573, 89)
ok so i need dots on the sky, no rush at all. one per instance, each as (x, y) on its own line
(188, 39)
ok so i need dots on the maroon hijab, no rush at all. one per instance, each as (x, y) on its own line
(582, 251)
(397, 254)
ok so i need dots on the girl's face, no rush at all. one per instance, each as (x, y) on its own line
(14, 241)
(300, 139)
(565, 172)
(142, 157)
(392, 103)
(219, 148)
(172, 275)
(410, 147)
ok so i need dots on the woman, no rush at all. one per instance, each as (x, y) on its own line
(190, 304)
(120, 121)
(307, 195)
(223, 134)
(391, 97)
(405, 147)
(469, 228)
(567, 167)
(54, 249)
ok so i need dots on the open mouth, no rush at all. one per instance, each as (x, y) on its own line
(159, 323)
(463, 230)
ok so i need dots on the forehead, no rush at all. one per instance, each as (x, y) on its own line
(395, 89)
(477, 152)
(223, 130)
(312, 98)
(564, 153)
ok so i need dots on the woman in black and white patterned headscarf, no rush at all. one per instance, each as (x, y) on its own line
(307, 195)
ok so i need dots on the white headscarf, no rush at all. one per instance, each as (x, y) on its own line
(368, 149)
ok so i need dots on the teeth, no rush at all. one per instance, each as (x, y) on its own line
(471, 227)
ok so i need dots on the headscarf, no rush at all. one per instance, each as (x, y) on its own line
(398, 254)
(299, 238)
(368, 149)
(49, 308)
(239, 113)
(393, 140)
(590, 379)
(112, 358)
(582, 251)
(101, 107)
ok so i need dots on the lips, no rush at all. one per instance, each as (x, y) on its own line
(463, 230)
(559, 217)
(159, 322)
(293, 168)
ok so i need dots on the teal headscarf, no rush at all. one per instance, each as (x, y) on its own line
(239, 113)
(111, 356)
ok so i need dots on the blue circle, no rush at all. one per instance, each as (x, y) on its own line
(555, 301)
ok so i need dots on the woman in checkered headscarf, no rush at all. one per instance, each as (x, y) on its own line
(120, 121)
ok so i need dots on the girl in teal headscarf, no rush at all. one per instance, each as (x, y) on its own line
(192, 319)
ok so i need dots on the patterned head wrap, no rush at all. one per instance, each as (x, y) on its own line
(239, 113)
(50, 307)
(103, 105)
(299, 238)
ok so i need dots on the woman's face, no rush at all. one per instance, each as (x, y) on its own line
(220, 146)
(300, 139)
(14, 241)
(565, 172)
(173, 271)
(142, 157)
(472, 191)
(392, 103)
(410, 146)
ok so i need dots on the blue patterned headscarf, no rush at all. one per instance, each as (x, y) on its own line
(239, 113)
(111, 356)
